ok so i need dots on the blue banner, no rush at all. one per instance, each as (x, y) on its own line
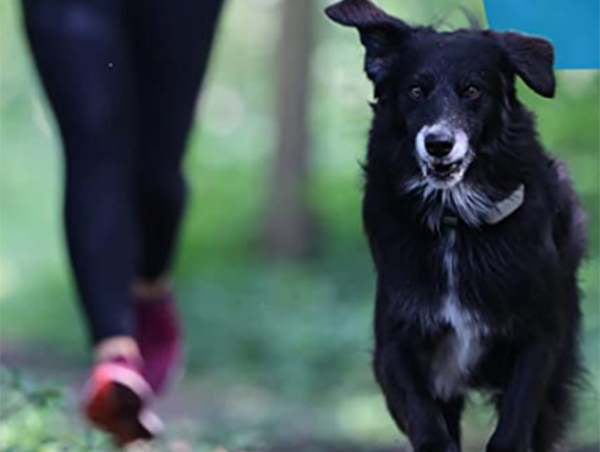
(573, 26)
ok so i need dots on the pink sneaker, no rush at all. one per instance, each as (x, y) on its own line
(116, 399)
(158, 335)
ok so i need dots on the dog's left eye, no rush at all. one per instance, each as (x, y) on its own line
(416, 92)
(472, 92)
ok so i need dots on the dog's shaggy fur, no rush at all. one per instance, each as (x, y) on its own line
(475, 232)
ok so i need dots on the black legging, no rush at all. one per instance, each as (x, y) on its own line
(122, 78)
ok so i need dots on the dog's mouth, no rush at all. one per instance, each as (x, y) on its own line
(443, 174)
(443, 170)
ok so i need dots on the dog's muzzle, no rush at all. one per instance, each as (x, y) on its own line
(443, 154)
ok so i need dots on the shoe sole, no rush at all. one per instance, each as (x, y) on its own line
(116, 400)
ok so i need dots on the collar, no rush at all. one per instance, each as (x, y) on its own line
(499, 212)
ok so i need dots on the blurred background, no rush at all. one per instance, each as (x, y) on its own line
(275, 280)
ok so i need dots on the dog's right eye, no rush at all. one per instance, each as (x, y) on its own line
(472, 92)
(416, 92)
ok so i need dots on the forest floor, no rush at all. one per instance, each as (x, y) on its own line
(189, 403)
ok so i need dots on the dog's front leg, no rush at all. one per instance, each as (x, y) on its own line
(409, 400)
(522, 401)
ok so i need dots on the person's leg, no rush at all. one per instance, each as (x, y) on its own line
(172, 46)
(81, 50)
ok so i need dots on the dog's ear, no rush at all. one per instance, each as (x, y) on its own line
(532, 59)
(379, 33)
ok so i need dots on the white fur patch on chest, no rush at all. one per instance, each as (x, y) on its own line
(460, 348)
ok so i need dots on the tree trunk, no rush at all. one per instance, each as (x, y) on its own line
(289, 229)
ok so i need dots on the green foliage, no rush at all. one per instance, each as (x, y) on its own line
(33, 418)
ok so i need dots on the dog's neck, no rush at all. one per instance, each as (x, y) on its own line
(465, 204)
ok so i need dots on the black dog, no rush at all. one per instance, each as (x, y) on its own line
(475, 232)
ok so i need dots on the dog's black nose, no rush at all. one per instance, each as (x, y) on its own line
(438, 146)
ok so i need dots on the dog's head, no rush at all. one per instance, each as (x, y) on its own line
(445, 95)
